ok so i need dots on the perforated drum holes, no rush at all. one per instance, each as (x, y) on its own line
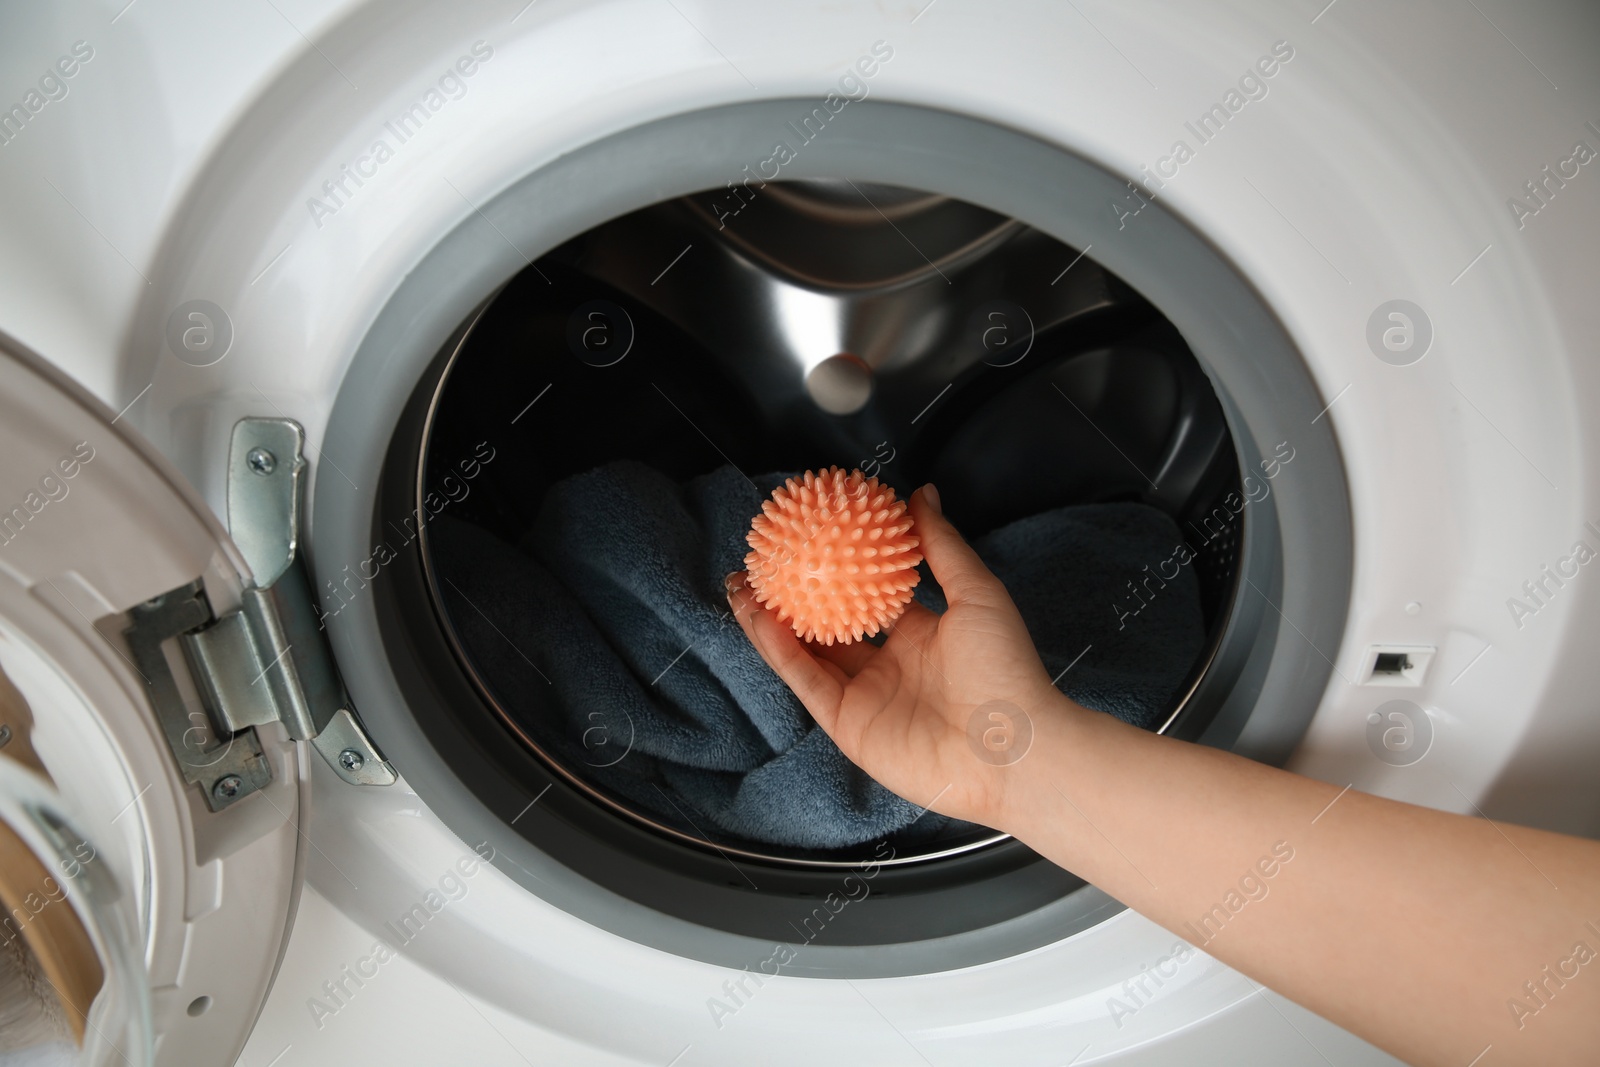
(199, 332)
(1399, 333)
(600, 333)
(999, 733)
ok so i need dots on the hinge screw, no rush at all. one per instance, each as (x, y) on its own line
(227, 788)
(261, 461)
(351, 760)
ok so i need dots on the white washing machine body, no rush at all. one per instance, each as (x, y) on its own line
(285, 173)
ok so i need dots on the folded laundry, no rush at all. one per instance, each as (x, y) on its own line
(607, 636)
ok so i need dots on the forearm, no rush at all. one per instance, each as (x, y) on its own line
(1409, 926)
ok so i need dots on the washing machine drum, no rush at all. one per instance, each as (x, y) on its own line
(580, 567)
(576, 471)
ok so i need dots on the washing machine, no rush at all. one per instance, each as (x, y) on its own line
(289, 289)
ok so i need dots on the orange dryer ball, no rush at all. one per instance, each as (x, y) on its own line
(833, 555)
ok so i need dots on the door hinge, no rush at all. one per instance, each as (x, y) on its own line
(268, 661)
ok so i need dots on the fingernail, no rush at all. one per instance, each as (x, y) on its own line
(931, 495)
(733, 582)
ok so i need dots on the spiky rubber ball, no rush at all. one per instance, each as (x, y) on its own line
(833, 555)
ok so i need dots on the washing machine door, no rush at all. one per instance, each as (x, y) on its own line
(159, 678)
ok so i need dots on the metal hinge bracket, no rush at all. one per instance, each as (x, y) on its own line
(270, 660)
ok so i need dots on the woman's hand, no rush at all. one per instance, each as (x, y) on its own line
(942, 710)
(1420, 930)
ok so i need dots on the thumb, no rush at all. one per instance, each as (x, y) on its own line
(960, 573)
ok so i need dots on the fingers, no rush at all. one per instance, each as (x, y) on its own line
(961, 574)
(848, 658)
(817, 684)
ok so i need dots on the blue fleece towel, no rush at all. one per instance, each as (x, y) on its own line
(1068, 571)
(608, 637)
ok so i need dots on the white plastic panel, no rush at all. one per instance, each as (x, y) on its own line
(94, 523)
